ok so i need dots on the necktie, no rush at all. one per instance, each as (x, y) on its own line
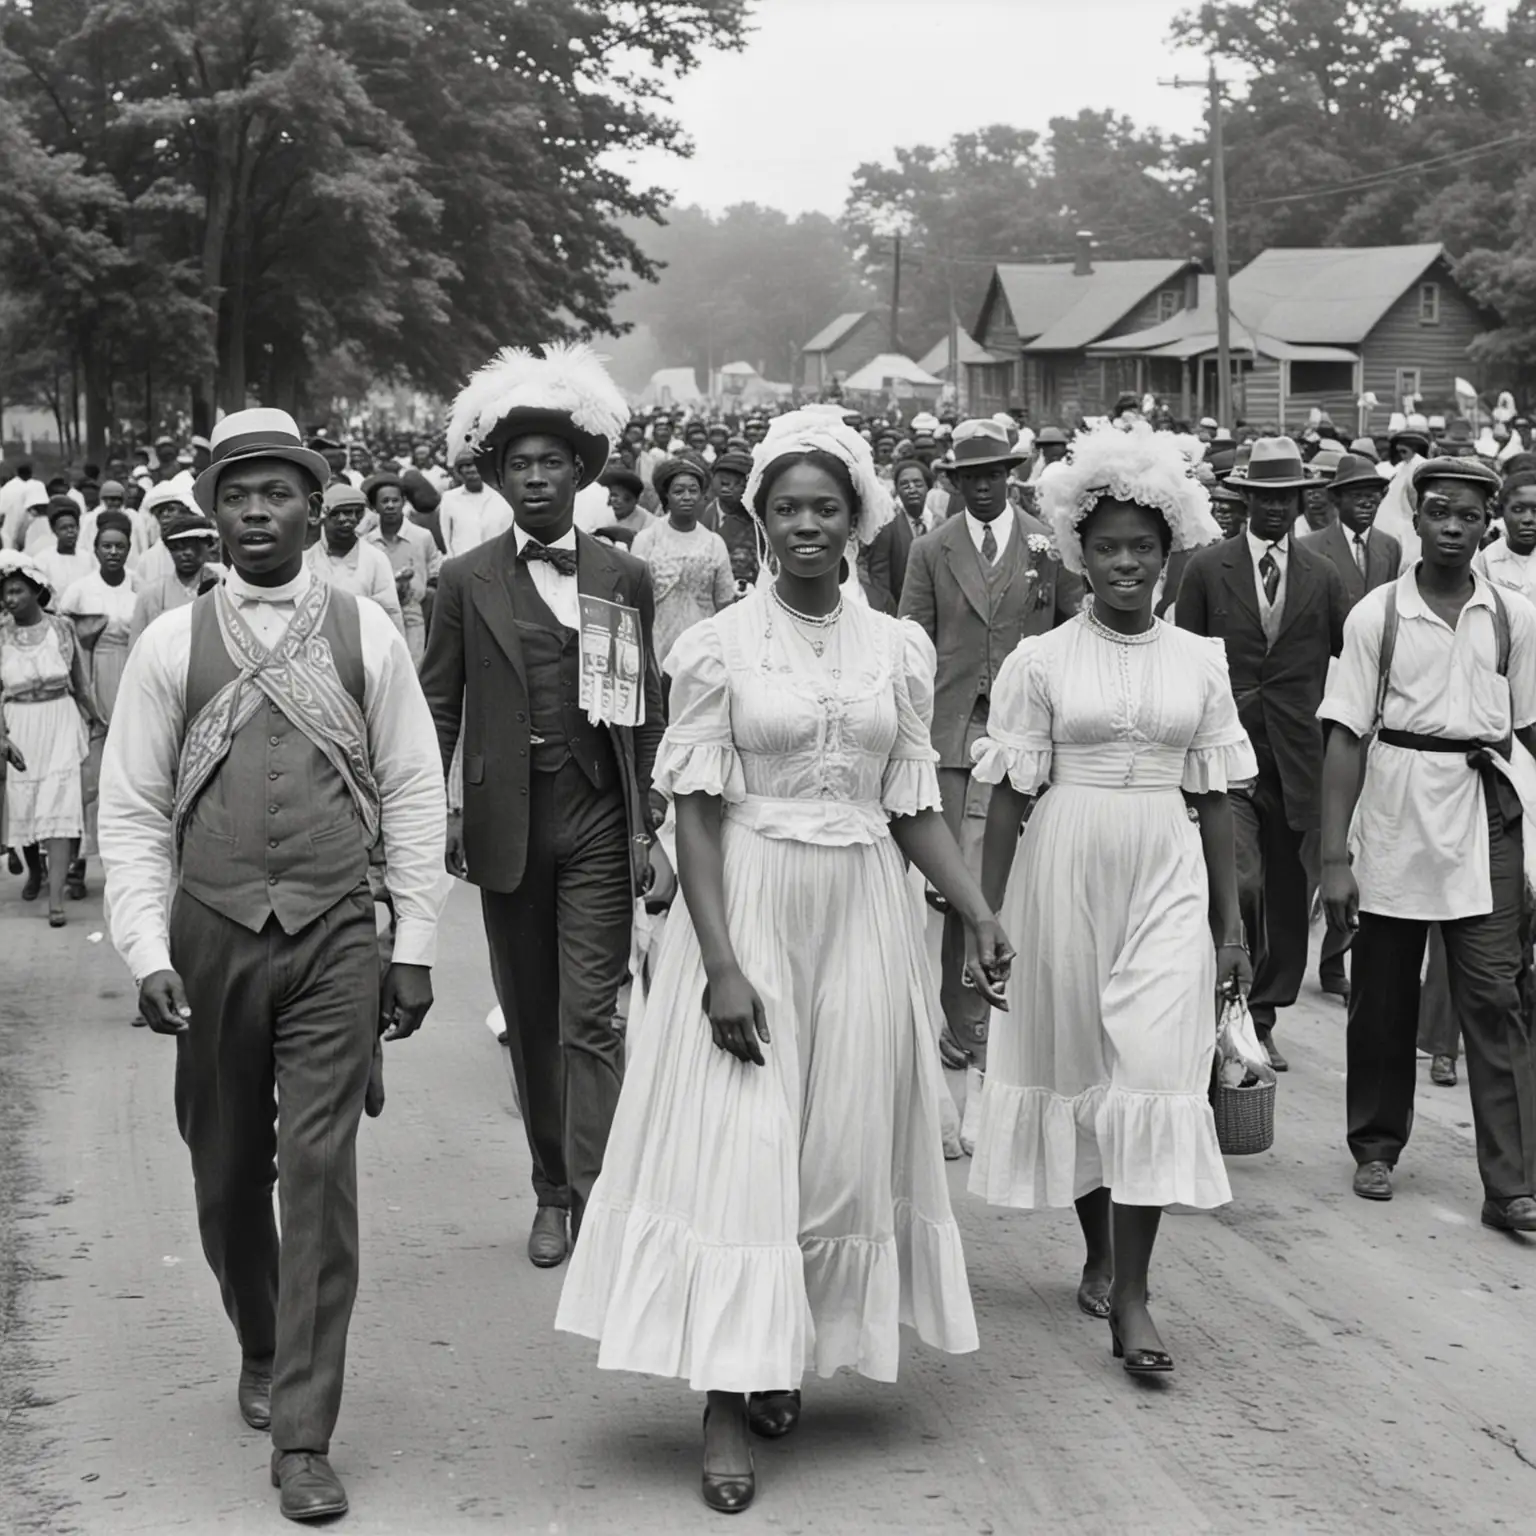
(1269, 569)
(988, 544)
(1360, 552)
(563, 560)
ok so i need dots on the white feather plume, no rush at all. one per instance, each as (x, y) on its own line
(1140, 465)
(569, 377)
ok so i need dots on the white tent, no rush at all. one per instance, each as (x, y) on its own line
(670, 386)
(892, 373)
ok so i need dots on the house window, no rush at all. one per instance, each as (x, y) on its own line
(1410, 383)
(1313, 378)
(1429, 303)
(1167, 303)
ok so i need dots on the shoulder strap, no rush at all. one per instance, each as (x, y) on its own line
(1500, 631)
(1388, 645)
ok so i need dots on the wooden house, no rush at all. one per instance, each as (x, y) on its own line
(1038, 321)
(1318, 329)
(841, 347)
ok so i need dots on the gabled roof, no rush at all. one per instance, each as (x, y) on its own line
(1334, 296)
(936, 358)
(1056, 310)
(829, 335)
(889, 365)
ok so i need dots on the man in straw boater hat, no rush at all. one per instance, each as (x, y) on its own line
(535, 637)
(977, 585)
(1279, 608)
(267, 735)
(1441, 664)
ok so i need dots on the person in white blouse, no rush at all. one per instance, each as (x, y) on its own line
(1443, 666)
(472, 512)
(341, 558)
(1510, 562)
(239, 804)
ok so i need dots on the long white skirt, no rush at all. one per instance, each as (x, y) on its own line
(44, 799)
(1098, 1075)
(753, 1221)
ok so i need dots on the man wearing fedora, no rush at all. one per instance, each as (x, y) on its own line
(266, 736)
(1279, 608)
(556, 820)
(1365, 557)
(978, 584)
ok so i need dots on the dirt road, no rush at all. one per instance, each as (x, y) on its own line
(1342, 1366)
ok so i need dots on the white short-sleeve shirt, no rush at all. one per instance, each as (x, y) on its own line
(1419, 840)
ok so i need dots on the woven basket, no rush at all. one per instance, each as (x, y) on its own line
(1245, 1118)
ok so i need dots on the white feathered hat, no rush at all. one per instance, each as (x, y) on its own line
(567, 393)
(1142, 466)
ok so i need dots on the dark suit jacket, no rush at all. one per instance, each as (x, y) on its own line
(1279, 688)
(474, 673)
(886, 563)
(1383, 558)
(1177, 561)
(946, 592)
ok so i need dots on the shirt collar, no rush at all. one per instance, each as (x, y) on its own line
(976, 525)
(566, 541)
(1258, 547)
(290, 592)
(1410, 601)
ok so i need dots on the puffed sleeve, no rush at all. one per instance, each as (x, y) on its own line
(911, 781)
(1220, 754)
(697, 755)
(1017, 745)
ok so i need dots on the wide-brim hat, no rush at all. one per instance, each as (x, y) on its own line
(977, 444)
(258, 433)
(1274, 464)
(1356, 469)
(566, 393)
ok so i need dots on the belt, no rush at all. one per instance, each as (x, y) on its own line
(39, 694)
(1497, 790)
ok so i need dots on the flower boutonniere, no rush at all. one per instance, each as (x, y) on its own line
(1040, 546)
(1040, 549)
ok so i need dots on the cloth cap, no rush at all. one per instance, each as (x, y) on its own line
(737, 463)
(186, 525)
(343, 495)
(259, 433)
(1447, 468)
(1050, 435)
(162, 495)
(111, 488)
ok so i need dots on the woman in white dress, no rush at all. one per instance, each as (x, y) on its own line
(773, 1197)
(43, 728)
(1125, 728)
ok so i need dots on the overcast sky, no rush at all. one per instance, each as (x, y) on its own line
(824, 85)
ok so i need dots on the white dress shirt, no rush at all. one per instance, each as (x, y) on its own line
(471, 518)
(1504, 568)
(1001, 526)
(558, 591)
(1270, 613)
(138, 776)
(364, 571)
(592, 509)
(1419, 840)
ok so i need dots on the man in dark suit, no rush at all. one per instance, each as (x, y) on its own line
(1365, 558)
(886, 560)
(555, 826)
(1280, 609)
(978, 584)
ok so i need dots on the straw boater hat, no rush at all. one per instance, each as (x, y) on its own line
(259, 433)
(1274, 464)
(566, 393)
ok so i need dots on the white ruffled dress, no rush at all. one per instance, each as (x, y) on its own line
(752, 1222)
(1098, 1075)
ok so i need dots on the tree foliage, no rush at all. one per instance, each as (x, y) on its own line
(247, 194)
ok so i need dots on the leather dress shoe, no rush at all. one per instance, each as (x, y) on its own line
(1516, 1215)
(772, 1415)
(547, 1245)
(728, 1493)
(307, 1487)
(1442, 1071)
(1373, 1181)
(254, 1393)
(1276, 1060)
(1334, 986)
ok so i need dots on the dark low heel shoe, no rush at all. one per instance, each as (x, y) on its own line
(771, 1415)
(1140, 1362)
(254, 1394)
(307, 1487)
(547, 1242)
(728, 1492)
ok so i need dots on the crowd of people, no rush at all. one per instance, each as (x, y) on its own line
(1131, 705)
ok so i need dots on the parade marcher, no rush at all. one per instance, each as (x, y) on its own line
(733, 520)
(161, 502)
(556, 819)
(101, 605)
(1280, 608)
(887, 554)
(624, 489)
(66, 562)
(1365, 558)
(413, 558)
(269, 734)
(26, 526)
(690, 564)
(472, 512)
(189, 539)
(1442, 666)
(341, 558)
(774, 1200)
(47, 711)
(1510, 562)
(1126, 913)
(977, 586)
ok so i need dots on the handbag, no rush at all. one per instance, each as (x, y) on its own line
(1242, 1083)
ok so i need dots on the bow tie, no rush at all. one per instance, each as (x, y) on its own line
(563, 560)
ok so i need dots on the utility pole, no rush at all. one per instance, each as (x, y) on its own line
(895, 345)
(1212, 85)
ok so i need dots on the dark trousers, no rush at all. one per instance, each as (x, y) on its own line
(1273, 891)
(1439, 1031)
(1484, 958)
(966, 1012)
(292, 1018)
(559, 950)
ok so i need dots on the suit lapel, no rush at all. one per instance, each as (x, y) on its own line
(492, 596)
(1379, 566)
(1241, 581)
(965, 565)
(1300, 587)
(1341, 550)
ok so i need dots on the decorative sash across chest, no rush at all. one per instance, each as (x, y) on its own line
(298, 675)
